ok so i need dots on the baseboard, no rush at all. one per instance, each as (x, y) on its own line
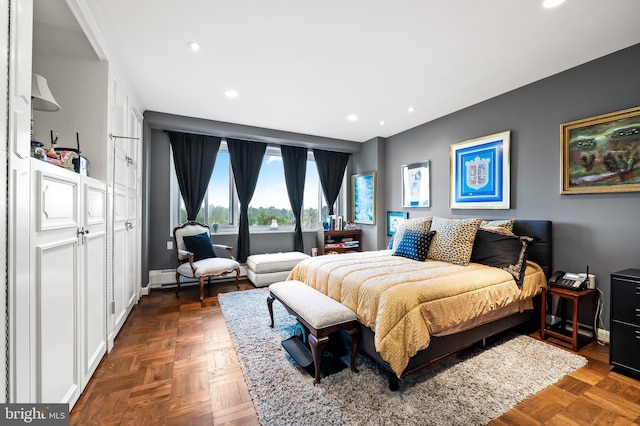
(167, 278)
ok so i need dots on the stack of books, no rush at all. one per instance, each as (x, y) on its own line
(335, 223)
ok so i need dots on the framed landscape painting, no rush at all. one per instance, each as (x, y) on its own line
(601, 154)
(363, 190)
(480, 173)
(415, 185)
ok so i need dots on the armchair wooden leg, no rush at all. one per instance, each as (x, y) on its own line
(201, 281)
(178, 282)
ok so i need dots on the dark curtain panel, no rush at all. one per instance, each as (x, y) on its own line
(294, 160)
(194, 157)
(246, 159)
(331, 166)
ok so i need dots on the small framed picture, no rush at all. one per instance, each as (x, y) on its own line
(415, 185)
(393, 219)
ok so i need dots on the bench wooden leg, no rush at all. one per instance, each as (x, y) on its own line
(354, 333)
(270, 300)
(317, 346)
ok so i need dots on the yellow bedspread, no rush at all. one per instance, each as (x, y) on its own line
(404, 301)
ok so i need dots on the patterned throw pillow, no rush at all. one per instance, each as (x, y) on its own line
(453, 241)
(419, 223)
(503, 223)
(504, 251)
(415, 244)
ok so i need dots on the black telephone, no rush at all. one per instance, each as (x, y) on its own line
(576, 282)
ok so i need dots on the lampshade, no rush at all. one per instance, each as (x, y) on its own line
(41, 97)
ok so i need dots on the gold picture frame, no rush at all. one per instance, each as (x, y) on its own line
(601, 154)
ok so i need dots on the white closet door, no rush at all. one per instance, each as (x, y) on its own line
(124, 291)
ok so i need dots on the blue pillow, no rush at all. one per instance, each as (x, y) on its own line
(415, 244)
(200, 246)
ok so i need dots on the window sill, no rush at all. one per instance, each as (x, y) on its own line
(262, 231)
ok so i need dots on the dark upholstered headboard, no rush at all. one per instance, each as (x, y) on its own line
(542, 251)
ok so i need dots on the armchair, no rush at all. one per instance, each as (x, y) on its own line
(197, 257)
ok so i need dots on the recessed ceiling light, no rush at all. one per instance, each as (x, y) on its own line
(382, 123)
(231, 93)
(412, 109)
(352, 117)
(552, 3)
(195, 46)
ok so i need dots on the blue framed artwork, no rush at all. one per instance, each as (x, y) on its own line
(363, 190)
(480, 173)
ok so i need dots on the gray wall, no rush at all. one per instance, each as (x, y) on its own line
(371, 158)
(599, 230)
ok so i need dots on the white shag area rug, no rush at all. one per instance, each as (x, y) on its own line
(471, 388)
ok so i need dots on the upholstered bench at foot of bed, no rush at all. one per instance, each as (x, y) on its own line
(265, 269)
(321, 315)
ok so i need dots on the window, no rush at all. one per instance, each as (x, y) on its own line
(270, 200)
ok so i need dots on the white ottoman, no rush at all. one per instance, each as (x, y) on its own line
(265, 269)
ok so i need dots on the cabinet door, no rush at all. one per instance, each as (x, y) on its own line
(55, 261)
(94, 278)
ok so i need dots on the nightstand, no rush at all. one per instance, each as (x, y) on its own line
(559, 330)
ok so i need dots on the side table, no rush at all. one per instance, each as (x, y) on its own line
(559, 330)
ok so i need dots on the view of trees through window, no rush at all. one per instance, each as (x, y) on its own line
(270, 203)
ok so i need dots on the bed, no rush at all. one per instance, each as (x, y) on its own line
(414, 312)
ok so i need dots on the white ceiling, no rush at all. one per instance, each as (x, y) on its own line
(303, 66)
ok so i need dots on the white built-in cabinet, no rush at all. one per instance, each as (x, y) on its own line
(68, 259)
(73, 242)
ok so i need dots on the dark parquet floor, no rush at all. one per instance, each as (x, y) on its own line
(173, 363)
